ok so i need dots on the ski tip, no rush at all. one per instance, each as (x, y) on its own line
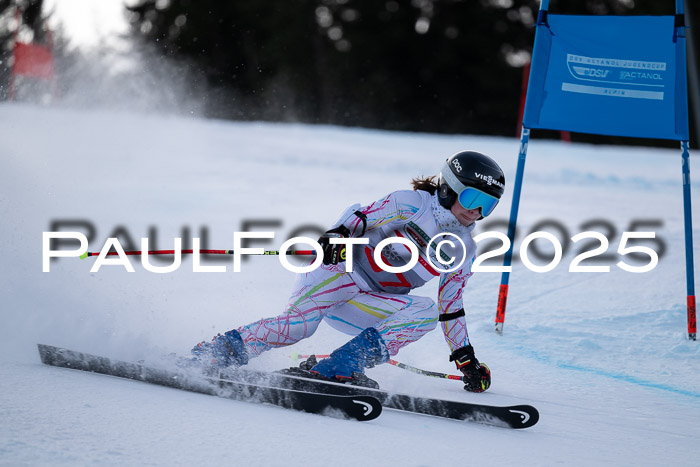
(524, 416)
(46, 353)
(84, 255)
(43, 348)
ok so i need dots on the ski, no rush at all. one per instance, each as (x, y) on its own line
(293, 390)
(514, 416)
(361, 407)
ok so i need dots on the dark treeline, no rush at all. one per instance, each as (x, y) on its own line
(446, 66)
(451, 66)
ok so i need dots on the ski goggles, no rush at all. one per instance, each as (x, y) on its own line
(470, 197)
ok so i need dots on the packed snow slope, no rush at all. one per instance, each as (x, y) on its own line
(602, 355)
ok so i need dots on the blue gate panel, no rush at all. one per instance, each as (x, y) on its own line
(610, 75)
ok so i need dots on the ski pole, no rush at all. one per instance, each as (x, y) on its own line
(202, 252)
(295, 357)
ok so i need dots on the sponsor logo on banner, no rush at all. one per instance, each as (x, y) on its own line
(620, 78)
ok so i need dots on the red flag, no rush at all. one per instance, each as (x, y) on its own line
(33, 60)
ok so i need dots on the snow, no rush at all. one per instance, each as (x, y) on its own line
(603, 356)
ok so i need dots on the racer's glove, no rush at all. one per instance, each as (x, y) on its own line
(477, 376)
(333, 253)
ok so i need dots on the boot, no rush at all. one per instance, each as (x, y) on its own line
(349, 361)
(222, 351)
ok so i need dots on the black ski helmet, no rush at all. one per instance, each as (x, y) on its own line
(469, 169)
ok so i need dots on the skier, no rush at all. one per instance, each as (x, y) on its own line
(375, 305)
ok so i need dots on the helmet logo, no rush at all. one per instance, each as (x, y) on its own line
(458, 167)
(489, 179)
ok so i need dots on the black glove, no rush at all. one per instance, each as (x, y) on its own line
(333, 253)
(477, 376)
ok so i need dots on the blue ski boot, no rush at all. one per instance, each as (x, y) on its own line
(348, 363)
(223, 351)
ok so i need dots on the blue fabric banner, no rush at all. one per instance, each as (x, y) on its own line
(610, 75)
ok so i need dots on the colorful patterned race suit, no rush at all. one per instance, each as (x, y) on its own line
(371, 297)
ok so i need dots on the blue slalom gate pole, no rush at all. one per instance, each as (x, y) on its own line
(503, 289)
(681, 120)
(689, 263)
(517, 188)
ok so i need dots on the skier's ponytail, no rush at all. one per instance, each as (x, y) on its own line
(428, 184)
